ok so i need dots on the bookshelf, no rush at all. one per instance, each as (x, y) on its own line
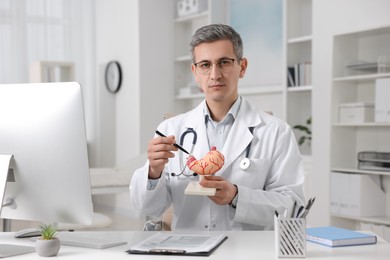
(359, 59)
(186, 91)
(298, 63)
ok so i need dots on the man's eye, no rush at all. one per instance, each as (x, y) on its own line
(205, 65)
(225, 62)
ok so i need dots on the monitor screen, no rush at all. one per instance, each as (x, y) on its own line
(42, 125)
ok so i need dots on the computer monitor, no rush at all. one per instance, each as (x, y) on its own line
(42, 125)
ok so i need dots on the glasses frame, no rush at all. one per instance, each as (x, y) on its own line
(212, 64)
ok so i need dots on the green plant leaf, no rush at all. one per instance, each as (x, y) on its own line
(48, 232)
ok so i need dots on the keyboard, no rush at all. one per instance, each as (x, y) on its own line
(71, 239)
(11, 250)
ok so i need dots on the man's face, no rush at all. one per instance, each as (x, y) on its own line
(220, 84)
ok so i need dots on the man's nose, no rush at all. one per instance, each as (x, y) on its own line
(215, 72)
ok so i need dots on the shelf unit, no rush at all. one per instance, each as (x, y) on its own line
(358, 85)
(51, 71)
(186, 91)
(298, 57)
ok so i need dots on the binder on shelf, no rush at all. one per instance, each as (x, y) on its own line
(357, 195)
(382, 97)
(335, 237)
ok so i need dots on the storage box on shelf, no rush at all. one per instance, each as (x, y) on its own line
(382, 100)
(355, 130)
(188, 7)
(350, 113)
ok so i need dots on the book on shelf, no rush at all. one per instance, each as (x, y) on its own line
(334, 236)
(290, 76)
(299, 74)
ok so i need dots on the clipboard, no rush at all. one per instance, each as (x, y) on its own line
(178, 244)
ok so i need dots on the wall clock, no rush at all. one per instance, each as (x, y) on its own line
(113, 76)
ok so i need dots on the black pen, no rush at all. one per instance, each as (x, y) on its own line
(299, 211)
(309, 204)
(178, 146)
(293, 209)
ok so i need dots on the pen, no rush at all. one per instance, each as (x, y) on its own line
(178, 146)
(299, 211)
(293, 209)
(309, 204)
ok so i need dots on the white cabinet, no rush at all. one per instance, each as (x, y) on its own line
(298, 64)
(186, 90)
(359, 58)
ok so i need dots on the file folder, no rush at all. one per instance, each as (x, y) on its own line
(178, 244)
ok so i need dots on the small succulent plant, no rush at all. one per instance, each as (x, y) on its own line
(48, 232)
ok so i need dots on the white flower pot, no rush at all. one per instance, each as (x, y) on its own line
(47, 247)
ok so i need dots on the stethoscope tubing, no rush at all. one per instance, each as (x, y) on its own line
(244, 164)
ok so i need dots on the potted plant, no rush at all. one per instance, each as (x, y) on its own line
(48, 244)
(306, 132)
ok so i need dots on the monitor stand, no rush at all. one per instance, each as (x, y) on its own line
(8, 249)
(5, 161)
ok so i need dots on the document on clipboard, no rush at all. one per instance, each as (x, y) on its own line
(178, 244)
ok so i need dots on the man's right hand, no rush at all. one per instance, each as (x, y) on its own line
(159, 151)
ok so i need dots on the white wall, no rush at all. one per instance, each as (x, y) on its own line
(156, 66)
(332, 17)
(139, 35)
(117, 33)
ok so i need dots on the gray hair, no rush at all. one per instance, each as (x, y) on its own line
(216, 32)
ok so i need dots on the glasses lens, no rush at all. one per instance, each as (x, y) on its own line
(225, 66)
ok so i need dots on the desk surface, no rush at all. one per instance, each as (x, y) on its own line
(240, 245)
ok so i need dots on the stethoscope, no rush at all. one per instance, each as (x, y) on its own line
(245, 163)
(194, 140)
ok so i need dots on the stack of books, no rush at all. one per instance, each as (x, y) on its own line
(299, 74)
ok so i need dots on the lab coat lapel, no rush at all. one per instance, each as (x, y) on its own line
(238, 139)
(240, 136)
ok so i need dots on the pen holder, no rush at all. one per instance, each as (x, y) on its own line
(290, 237)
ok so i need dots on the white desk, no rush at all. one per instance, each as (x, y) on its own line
(240, 245)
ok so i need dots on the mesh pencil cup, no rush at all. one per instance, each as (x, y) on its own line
(290, 237)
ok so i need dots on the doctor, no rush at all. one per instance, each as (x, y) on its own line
(262, 170)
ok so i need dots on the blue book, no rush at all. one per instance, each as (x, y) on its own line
(334, 237)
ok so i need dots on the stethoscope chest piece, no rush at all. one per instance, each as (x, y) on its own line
(245, 164)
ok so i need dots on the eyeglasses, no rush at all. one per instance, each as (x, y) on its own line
(225, 65)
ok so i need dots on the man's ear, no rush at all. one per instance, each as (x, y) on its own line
(244, 65)
(194, 72)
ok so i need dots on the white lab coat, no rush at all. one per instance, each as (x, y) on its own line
(273, 181)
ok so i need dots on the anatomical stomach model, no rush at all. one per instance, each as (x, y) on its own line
(212, 162)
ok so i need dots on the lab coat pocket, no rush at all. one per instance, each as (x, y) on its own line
(254, 176)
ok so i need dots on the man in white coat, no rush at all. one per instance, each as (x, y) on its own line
(262, 171)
